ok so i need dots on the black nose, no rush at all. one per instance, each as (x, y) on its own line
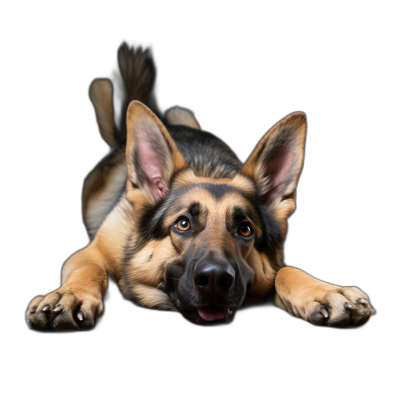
(215, 278)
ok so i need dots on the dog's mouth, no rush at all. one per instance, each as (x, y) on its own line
(213, 313)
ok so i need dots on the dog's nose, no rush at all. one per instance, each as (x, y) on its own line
(215, 278)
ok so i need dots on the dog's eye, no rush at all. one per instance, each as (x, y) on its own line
(183, 224)
(245, 230)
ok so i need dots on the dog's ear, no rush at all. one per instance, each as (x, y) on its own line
(276, 163)
(151, 155)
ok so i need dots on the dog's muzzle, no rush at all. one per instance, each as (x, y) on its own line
(213, 280)
(209, 287)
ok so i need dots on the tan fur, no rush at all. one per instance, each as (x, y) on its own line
(144, 267)
(152, 297)
(264, 276)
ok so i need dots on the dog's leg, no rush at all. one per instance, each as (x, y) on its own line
(79, 299)
(319, 302)
(101, 95)
(181, 116)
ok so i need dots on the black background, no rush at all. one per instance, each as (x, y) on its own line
(240, 74)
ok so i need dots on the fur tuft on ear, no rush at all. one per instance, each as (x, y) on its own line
(276, 162)
(151, 155)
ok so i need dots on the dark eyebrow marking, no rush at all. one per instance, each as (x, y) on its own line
(218, 190)
(239, 214)
(235, 217)
(199, 214)
(194, 209)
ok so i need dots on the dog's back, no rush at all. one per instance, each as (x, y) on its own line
(207, 155)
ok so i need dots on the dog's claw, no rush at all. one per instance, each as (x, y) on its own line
(33, 309)
(362, 301)
(348, 306)
(324, 313)
(46, 308)
(57, 309)
(79, 316)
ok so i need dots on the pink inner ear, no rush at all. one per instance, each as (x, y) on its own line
(150, 165)
(278, 170)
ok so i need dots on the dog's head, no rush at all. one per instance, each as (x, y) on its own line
(202, 245)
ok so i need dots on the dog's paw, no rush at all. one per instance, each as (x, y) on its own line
(63, 310)
(181, 116)
(340, 307)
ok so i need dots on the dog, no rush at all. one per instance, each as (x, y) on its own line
(181, 224)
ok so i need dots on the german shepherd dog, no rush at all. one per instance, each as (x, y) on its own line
(181, 224)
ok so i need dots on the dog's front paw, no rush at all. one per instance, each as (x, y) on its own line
(340, 307)
(63, 309)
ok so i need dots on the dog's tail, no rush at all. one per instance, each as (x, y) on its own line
(138, 74)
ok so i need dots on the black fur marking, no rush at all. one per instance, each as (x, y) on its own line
(239, 215)
(218, 191)
(194, 210)
(234, 219)
(271, 239)
(199, 215)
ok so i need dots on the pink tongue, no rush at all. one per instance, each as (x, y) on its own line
(212, 313)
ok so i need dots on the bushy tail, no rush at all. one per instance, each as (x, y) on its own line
(138, 74)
